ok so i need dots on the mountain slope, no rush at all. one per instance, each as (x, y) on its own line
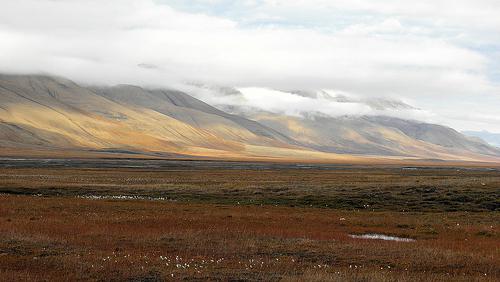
(43, 112)
(374, 135)
(185, 108)
(438, 135)
(46, 111)
(491, 138)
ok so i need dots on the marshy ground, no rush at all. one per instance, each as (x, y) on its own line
(222, 221)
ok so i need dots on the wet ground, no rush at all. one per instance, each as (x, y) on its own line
(213, 164)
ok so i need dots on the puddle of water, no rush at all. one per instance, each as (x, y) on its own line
(381, 237)
(122, 197)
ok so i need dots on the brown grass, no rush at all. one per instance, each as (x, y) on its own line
(80, 239)
(202, 233)
(371, 188)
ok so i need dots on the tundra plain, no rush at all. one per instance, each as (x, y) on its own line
(141, 220)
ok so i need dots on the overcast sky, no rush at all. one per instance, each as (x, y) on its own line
(442, 56)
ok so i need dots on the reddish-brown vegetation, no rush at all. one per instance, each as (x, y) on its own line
(211, 238)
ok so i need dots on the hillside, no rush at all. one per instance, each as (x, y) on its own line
(491, 138)
(51, 113)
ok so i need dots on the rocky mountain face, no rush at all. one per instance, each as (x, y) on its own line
(38, 112)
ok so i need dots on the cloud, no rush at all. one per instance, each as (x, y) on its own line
(300, 103)
(479, 14)
(375, 51)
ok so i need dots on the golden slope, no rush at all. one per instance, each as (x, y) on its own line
(44, 113)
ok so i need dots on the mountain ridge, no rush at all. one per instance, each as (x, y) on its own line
(41, 111)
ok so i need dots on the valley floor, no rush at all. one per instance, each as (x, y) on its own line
(213, 221)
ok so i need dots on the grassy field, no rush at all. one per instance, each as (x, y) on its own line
(247, 224)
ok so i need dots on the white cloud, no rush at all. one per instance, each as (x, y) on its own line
(111, 41)
(480, 14)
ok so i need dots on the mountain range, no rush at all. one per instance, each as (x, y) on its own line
(52, 116)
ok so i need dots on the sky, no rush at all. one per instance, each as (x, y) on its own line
(440, 56)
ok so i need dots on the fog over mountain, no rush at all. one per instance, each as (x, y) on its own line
(355, 57)
(302, 102)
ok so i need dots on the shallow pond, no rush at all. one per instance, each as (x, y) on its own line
(374, 236)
